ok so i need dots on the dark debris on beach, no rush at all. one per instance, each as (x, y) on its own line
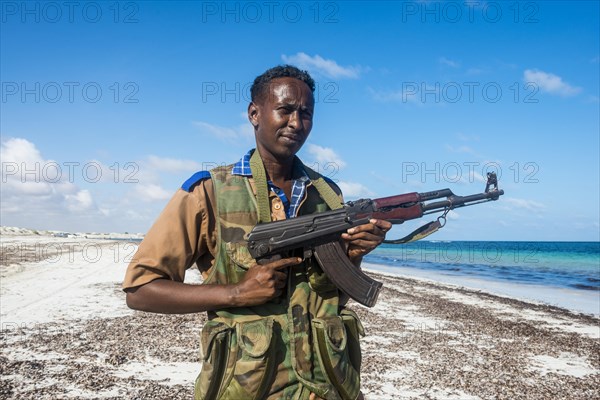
(471, 351)
(85, 354)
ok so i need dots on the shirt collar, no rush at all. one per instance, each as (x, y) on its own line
(242, 168)
(291, 206)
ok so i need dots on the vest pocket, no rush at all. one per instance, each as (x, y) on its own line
(317, 279)
(354, 330)
(216, 340)
(255, 360)
(238, 361)
(338, 350)
(241, 260)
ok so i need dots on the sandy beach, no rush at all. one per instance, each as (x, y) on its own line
(67, 333)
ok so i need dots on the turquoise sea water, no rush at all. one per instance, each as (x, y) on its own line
(565, 274)
(571, 265)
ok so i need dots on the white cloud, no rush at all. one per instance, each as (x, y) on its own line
(172, 165)
(385, 96)
(529, 205)
(17, 150)
(550, 83)
(468, 138)
(319, 66)
(419, 93)
(325, 156)
(476, 176)
(475, 71)
(35, 195)
(39, 191)
(26, 188)
(460, 149)
(217, 131)
(242, 132)
(152, 192)
(25, 172)
(453, 215)
(79, 202)
(450, 63)
(354, 190)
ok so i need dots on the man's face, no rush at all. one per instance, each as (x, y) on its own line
(282, 118)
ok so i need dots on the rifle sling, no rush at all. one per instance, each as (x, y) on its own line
(418, 234)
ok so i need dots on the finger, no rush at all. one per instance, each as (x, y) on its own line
(279, 284)
(360, 228)
(368, 236)
(285, 262)
(358, 236)
(363, 231)
(382, 224)
(363, 244)
(371, 227)
(279, 276)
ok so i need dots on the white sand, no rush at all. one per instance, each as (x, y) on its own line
(414, 349)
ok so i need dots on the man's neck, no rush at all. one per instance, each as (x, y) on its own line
(280, 173)
(278, 170)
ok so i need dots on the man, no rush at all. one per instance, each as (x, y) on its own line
(260, 340)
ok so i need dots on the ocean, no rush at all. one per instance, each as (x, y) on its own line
(565, 274)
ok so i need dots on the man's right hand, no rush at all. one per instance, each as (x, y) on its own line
(263, 282)
(260, 284)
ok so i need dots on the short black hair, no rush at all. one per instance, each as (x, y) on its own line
(261, 82)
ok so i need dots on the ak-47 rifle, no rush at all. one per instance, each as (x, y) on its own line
(319, 234)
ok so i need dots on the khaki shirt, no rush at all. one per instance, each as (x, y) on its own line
(184, 233)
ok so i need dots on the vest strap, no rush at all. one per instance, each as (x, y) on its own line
(262, 190)
(325, 191)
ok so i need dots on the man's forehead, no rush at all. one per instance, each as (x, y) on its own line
(288, 89)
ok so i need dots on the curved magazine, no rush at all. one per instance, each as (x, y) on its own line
(345, 275)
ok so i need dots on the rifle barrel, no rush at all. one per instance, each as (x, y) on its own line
(460, 201)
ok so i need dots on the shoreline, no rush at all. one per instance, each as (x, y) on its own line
(578, 301)
(67, 333)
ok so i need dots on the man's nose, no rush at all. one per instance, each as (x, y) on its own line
(295, 120)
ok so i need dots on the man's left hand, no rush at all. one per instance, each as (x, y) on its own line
(362, 239)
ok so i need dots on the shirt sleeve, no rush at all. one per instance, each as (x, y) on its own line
(182, 235)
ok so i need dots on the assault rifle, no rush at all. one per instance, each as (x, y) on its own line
(319, 234)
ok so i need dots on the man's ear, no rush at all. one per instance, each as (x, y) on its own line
(253, 114)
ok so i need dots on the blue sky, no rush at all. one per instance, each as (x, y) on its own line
(108, 107)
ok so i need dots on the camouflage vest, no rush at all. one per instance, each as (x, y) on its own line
(286, 348)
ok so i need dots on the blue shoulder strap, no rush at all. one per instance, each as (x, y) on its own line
(195, 179)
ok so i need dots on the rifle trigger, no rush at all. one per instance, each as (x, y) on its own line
(308, 253)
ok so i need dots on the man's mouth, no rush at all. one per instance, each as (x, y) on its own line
(290, 137)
